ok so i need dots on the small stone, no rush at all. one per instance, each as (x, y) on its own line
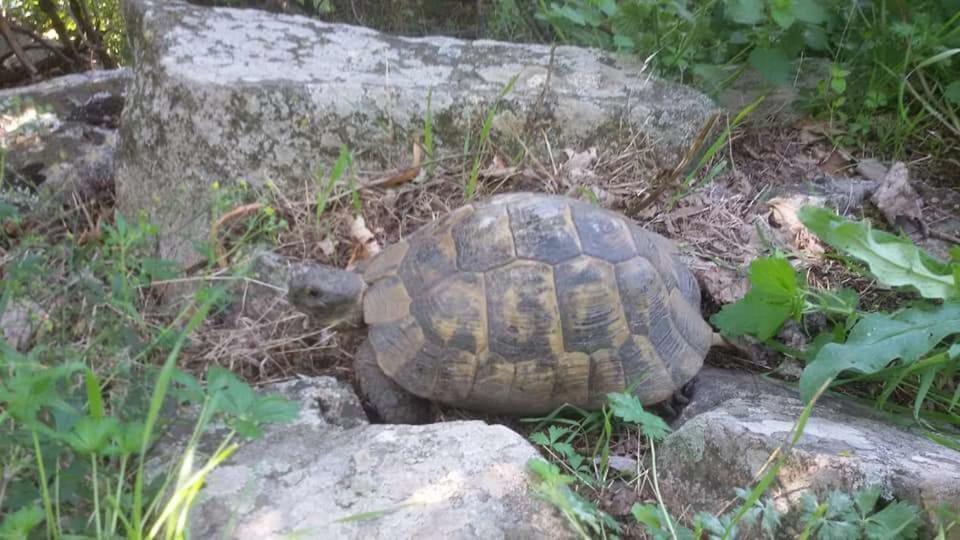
(19, 323)
(872, 169)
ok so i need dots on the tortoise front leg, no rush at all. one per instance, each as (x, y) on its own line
(391, 403)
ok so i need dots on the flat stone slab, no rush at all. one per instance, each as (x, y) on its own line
(737, 420)
(330, 474)
(222, 95)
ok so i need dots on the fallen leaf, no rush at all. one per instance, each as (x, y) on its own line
(579, 165)
(365, 244)
(783, 218)
(723, 285)
(836, 163)
(899, 202)
(327, 246)
(498, 168)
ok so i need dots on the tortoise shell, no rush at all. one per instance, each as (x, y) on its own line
(524, 302)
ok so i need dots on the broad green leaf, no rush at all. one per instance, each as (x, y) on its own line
(628, 408)
(897, 521)
(608, 7)
(892, 260)
(878, 339)
(809, 11)
(275, 409)
(952, 92)
(782, 12)
(90, 435)
(19, 524)
(774, 297)
(744, 11)
(773, 65)
(866, 499)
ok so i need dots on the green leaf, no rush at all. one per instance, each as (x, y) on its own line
(90, 435)
(773, 65)
(840, 521)
(866, 499)
(629, 409)
(744, 11)
(19, 524)
(952, 92)
(774, 297)
(896, 521)
(926, 381)
(892, 260)
(608, 7)
(782, 12)
(653, 518)
(94, 399)
(540, 438)
(275, 409)
(809, 11)
(878, 339)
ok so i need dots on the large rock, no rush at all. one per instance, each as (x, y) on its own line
(736, 420)
(61, 134)
(451, 480)
(222, 95)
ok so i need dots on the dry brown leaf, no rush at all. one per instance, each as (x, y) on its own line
(498, 169)
(365, 244)
(783, 218)
(898, 201)
(724, 286)
(327, 246)
(836, 163)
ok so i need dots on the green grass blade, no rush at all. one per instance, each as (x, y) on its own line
(156, 402)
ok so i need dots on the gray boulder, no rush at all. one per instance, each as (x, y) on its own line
(61, 135)
(737, 419)
(330, 474)
(222, 95)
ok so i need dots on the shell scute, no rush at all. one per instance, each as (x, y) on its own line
(590, 308)
(454, 312)
(522, 313)
(485, 240)
(603, 234)
(543, 229)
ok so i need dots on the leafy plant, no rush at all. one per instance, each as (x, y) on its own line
(584, 516)
(841, 516)
(890, 70)
(916, 342)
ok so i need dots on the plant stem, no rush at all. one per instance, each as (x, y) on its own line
(45, 493)
(656, 488)
(96, 495)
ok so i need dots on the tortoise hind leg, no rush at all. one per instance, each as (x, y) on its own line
(671, 409)
(391, 403)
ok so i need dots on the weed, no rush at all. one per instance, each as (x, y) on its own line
(484, 136)
(917, 343)
(885, 61)
(82, 408)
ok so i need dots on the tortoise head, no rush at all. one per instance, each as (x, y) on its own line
(328, 295)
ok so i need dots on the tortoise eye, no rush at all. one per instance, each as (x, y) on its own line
(313, 293)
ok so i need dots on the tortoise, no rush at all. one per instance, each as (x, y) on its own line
(516, 304)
